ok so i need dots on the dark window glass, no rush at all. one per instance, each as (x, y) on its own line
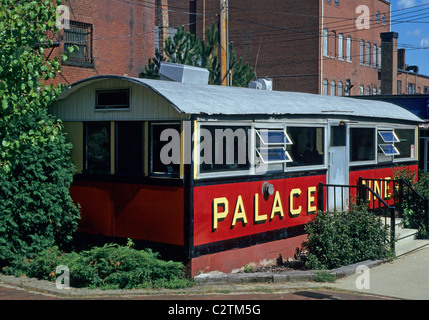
(113, 99)
(406, 144)
(308, 146)
(170, 148)
(362, 144)
(129, 148)
(97, 148)
(229, 148)
(338, 136)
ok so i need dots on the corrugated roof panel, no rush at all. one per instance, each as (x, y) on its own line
(219, 100)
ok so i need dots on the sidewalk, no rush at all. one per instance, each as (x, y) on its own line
(404, 278)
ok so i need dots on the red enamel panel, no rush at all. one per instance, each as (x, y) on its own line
(235, 210)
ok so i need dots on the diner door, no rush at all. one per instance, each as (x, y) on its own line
(338, 167)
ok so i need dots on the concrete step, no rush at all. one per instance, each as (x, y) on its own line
(406, 241)
(405, 247)
(399, 222)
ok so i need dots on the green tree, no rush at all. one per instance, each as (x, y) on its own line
(185, 48)
(36, 210)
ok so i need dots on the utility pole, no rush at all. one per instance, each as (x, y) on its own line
(224, 74)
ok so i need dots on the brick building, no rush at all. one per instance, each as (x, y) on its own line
(113, 37)
(410, 81)
(316, 46)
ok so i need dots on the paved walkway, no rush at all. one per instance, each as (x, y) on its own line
(406, 277)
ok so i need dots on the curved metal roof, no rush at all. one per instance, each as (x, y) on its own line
(219, 100)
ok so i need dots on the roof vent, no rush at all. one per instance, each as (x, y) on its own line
(262, 84)
(183, 73)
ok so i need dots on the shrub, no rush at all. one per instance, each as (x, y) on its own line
(36, 209)
(108, 267)
(342, 238)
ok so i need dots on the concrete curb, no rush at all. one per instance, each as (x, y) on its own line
(289, 276)
(200, 280)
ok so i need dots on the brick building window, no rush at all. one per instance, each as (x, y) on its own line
(374, 56)
(368, 54)
(79, 35)
(362, 52)
(325, 87)
(379, 57)
(349, 49)
(340, 47)
(340, 89)
(333, 85)
(325, 42)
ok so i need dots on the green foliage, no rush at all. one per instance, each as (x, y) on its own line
(36, 210)
(413, 206)
(185, 48)
(108, 267)
(343, 238)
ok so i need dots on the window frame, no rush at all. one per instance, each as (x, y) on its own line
(70, 40)
(322, 166)
(225, 173)
(362, 162)
(349, 49)
(113, 107)
(340, 47)
(151, 172)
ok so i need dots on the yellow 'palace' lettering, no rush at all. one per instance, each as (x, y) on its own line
(220, 208)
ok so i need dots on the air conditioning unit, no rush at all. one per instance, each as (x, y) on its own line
(262, 84)
(183, 73)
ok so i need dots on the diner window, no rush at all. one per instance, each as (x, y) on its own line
(97, 148)
(129, 148)
(271, 148)
(362, 144)
(307, 148)
(406, 144)
(79, 37)
(165, 149)
(224, 148)
(112, 99)
(386, 145)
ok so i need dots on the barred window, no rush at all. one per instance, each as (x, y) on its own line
(79, 36)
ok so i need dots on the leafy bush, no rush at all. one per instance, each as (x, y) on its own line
(342, 238)
(36, 209)
(108, 267)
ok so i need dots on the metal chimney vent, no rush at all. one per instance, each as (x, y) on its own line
(262, 84)
(183, 73)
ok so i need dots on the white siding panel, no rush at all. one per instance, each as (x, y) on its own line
(145, 104)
